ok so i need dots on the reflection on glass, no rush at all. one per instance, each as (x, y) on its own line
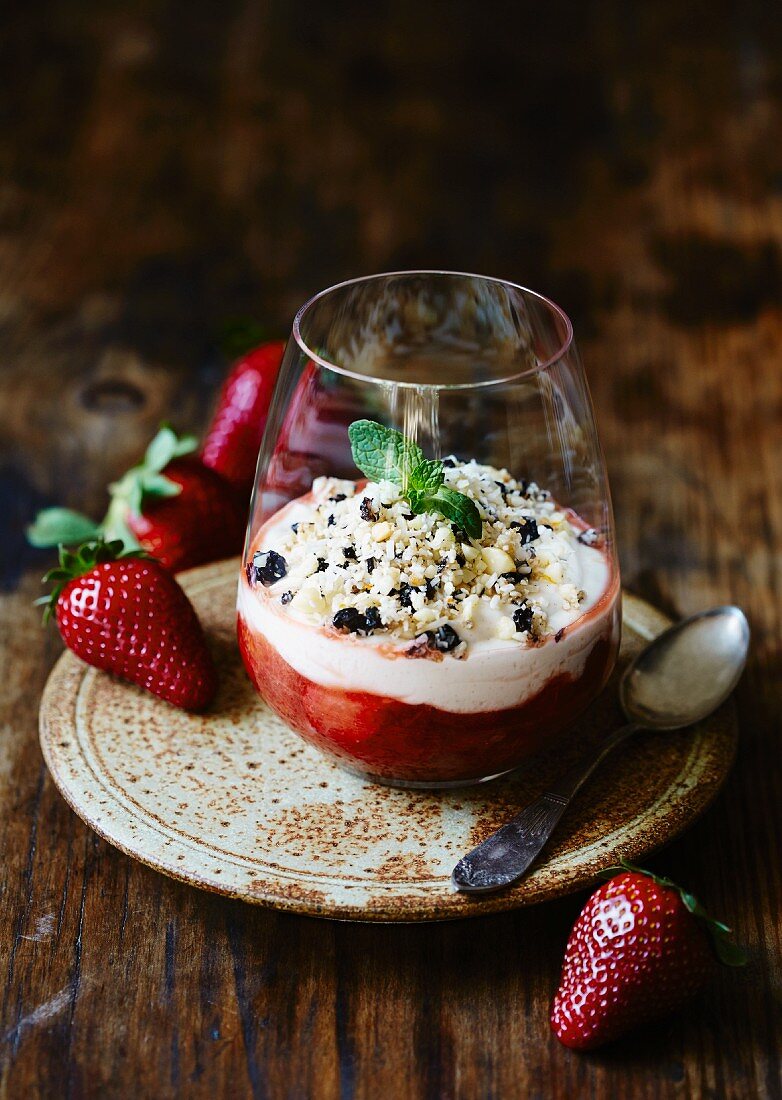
(413, 650)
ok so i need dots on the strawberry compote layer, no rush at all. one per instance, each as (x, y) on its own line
(433, 665)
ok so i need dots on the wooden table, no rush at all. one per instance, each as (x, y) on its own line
(167, 169)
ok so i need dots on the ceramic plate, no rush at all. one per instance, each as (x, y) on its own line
(234, 802)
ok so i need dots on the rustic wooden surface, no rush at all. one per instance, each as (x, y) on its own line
(166, 169)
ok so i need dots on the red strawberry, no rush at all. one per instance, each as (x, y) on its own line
(640, 948)
(126, 614)
(202, 522)
(170, 505)
(234, 437)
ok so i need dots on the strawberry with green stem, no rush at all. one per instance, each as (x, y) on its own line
(640, 948)
(121, 611)
(170, 505)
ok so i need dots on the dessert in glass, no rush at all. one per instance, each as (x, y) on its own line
(430, 592)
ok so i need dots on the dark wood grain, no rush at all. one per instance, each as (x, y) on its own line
(168, 168)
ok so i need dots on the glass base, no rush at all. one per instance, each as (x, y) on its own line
(424, 785)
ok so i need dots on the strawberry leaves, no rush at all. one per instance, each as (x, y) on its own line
(64, 527)
(54, 526)
(165, 447)
(147, 479)
(727, 951)
(75, 563)
(384, 454)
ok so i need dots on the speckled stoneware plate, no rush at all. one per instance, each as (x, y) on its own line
(234, 802)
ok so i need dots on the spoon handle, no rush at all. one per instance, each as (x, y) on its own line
(504, 856)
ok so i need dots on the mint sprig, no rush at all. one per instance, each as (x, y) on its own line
(384, 454)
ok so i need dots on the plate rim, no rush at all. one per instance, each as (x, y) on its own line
(69, 676)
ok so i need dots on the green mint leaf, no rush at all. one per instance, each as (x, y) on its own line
(427, 477)
(383, 454)
(456, 507)
(56, 526)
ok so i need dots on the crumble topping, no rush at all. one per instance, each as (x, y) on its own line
(358, 561)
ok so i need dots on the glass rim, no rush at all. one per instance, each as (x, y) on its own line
(538, 368)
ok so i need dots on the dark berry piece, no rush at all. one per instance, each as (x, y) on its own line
(267, 567)
(339, 497)
(444, 638)
(351, 621)
(349, 552)
(370, 564)
(295, 528)
(503, 488)
(431, 587)
(449, 462)
(522, 617)
(405, 592)
(286, 597)
(408, 516)
(560, 634)
(330, 521)
(514, 578)
(372, 620)
(367, 511)
(528, 530)
(460, 559)
(322, 565)
(393, 592)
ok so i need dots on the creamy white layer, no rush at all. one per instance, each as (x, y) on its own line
(493, 675)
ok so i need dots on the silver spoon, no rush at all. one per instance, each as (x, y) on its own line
(680, 678)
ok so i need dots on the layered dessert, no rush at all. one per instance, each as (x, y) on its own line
(414, 651)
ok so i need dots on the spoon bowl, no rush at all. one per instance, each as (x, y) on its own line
(688, 671)
(679, 679)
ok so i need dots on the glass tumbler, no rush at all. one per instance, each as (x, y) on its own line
(430, 592)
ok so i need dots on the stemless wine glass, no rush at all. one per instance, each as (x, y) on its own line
(417, 639)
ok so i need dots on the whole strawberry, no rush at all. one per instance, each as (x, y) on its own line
(123, 612)
(640, 948)
(170, 505)
(234, 437)
(199, 519)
